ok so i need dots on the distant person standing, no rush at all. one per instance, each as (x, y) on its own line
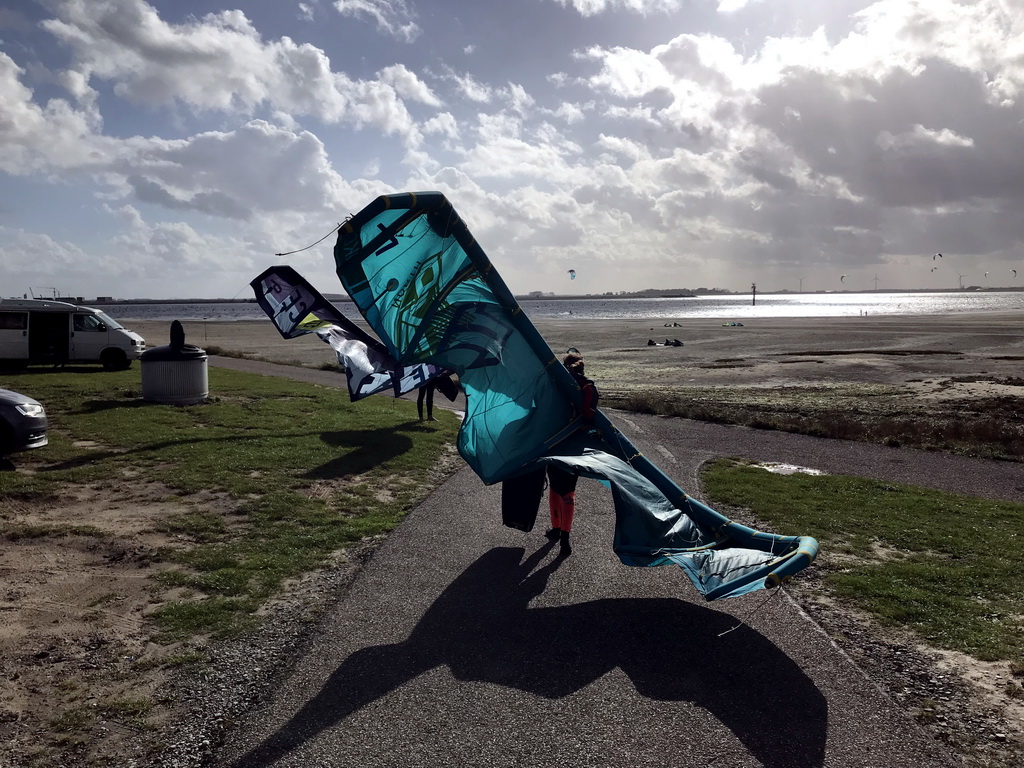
(426, 394)
(562, 483)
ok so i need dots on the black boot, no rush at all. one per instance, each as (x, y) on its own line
(565, 549)
(553, 533)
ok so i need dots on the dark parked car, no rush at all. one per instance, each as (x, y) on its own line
(22, 423)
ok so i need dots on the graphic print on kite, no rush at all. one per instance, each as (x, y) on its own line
(297, 308)
(428, 290)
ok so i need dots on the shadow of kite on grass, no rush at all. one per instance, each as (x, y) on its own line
(482, 628)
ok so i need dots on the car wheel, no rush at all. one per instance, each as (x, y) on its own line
(114, 359)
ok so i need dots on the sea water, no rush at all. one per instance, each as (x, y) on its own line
(731, 306)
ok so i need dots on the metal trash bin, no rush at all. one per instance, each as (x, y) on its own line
(175, 374)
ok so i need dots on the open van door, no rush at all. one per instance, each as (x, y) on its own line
(49, 337)
(14, 335)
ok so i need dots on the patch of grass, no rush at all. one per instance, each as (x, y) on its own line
(128, 707)
(942, 565)
(258, 445)
(71, 720)
(198, 525)
(214, 616)
(17, 531)
(184, 659)
(129, 711)
(987, 427)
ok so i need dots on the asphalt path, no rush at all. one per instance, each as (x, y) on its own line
(466, 643)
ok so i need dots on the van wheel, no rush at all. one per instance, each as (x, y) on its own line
(115, 360)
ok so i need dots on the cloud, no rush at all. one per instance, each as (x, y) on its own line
(29, 252)
(221, 63)
(393, 17)
(595, 7)
(801, 149)
(34, 138)
(473, 90)
(407, 85)
(255, 169)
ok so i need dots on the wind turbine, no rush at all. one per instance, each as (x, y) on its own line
(801, 279)
(961, 280)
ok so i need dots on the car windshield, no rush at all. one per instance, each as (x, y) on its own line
(110, 322)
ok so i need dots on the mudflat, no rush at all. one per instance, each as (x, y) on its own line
(961, 355)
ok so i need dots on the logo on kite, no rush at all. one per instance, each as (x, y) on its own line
(572, 274)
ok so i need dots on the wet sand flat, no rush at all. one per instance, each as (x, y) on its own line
(760, 353)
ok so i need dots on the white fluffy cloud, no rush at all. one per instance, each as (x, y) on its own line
(221, 62)
(393, 17)
(595, 7)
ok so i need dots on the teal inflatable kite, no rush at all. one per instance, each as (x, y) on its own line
(421, 281)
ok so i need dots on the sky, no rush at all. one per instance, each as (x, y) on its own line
(171, 149)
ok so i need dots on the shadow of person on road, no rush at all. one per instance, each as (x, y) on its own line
(482, 628)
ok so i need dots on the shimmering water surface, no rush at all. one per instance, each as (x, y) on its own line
(733, 307)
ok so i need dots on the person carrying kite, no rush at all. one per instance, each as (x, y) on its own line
(562, 484)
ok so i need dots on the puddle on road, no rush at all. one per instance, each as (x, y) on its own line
(787, 469)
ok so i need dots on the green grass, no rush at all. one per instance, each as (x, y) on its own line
(945, 566)
(296, 471)
(991, 427)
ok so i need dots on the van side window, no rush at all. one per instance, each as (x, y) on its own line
(87, 323)
(13, 321)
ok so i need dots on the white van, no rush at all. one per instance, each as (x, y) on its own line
(38, 331)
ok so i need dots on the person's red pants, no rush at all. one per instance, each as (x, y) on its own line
(562, 497)
(563, 509)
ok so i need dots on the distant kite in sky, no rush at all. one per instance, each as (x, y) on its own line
(934, 268)
(842, 278)
(936, 256)
(1014, 272)
(572, 274)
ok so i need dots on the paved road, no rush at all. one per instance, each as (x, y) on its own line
(465, 643)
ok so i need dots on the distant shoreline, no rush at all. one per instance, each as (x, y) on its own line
(574, 296)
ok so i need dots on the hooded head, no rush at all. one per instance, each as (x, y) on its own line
(573, 362)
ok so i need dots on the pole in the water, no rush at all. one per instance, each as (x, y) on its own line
(753, 294)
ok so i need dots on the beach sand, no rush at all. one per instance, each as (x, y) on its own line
(934, 354)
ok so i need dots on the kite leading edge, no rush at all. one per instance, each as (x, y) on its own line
(425, 286)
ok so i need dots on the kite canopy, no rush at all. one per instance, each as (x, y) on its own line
(426, 287)
(297, 308)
